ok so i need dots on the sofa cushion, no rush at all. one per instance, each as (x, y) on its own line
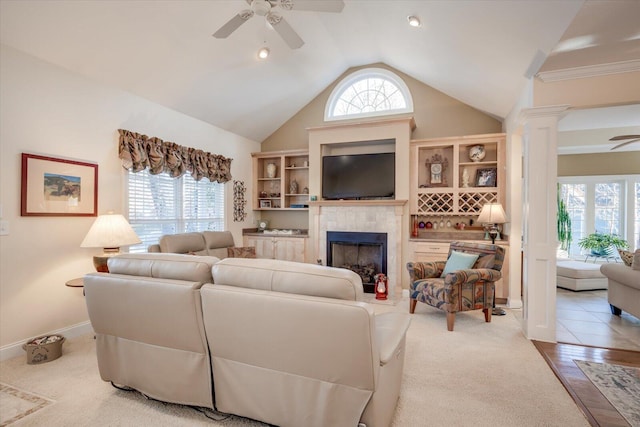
(164, 266)
(184, 243)
(217, 242)
(290, 277)
(485, 261)
(626, 257)
(459, 261)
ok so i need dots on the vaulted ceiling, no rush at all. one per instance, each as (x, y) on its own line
(475, 51)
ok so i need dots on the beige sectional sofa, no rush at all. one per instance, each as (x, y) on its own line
(211, 243)
(624, 287)
(285, 343)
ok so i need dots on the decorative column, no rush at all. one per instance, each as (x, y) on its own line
(514, 201)
(540, 240)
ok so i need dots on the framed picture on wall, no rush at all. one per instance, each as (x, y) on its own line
(486, 177)
(58, 187)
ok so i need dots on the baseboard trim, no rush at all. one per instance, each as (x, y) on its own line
(14, 350)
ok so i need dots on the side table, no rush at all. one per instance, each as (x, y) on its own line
(75, 283)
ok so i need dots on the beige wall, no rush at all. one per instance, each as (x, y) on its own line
(50, 111)
(435, 114)
(622, 163)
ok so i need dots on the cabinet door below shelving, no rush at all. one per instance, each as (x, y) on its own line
(264, 246)
(290, 249)
(283, 248)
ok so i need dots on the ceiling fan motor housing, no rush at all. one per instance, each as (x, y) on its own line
(260, 7)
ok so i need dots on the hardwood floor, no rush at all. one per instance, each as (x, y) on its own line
(594, 405)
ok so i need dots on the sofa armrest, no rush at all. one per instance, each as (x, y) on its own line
(472, 275)
(425, 270)
(391, 329)
(621, 274)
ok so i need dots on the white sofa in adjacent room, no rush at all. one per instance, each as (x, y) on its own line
(624, 288)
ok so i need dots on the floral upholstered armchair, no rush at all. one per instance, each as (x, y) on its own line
(467, 288)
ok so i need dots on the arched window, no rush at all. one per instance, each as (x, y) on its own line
(367, 93)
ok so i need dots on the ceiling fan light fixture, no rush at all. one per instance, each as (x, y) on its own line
(263, 53)
(413, 20)
(260, 7)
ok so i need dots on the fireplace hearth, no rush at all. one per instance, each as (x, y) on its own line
(362, 252)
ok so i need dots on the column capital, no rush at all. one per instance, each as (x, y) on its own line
(552, 111)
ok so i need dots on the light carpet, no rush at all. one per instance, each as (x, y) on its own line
(619, 384)
(481, 374)
(16, 404)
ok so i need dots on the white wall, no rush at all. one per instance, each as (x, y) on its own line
(47, 110)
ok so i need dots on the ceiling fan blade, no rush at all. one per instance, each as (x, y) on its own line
(233, 24)
(285, 30)
(333, 6)
(623, 137)
(625, 143)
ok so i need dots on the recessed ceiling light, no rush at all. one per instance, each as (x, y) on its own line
(263, 53)
(414, 21)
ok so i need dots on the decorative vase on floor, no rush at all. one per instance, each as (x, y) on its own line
(271, 170)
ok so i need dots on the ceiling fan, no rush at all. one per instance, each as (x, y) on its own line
(632, 138)
(270, 10)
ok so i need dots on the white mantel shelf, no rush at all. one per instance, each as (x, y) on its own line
(358, 203)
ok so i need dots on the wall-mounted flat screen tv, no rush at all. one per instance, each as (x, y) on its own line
(359, 176)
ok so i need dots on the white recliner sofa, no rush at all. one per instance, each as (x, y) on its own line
(285, 343)
(211, 243)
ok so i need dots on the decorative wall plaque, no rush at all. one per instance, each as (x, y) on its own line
(436, 167)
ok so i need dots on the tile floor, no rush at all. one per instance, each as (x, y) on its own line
(585, 318)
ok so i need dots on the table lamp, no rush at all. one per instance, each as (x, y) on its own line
(491, 216)
(109, 231)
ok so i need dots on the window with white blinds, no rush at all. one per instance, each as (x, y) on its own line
(159, 205)
(604, 204)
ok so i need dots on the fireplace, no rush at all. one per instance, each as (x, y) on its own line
(362, 252)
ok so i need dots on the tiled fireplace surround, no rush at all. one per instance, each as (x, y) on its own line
(370, 217)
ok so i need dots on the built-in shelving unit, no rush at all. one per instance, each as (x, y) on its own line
(281, 180)
(446, 181)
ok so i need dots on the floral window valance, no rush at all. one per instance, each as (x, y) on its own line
(139, 152)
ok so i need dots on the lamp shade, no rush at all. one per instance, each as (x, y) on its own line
(110, 231)
(492, 213)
